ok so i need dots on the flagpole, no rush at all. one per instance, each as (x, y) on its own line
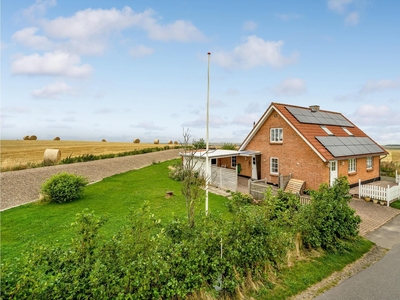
(207, 134)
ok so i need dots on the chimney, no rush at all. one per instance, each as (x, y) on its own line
(314, 108)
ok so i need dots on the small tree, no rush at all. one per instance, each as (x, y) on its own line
(200, 144)
(193, 180)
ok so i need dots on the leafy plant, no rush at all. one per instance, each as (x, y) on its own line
(200, 144)
(63, 187)
(228, 146)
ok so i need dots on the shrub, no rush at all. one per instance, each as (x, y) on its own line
(200, 144)
(329, 220)
(239, 200)
(228, 146)
(63, 187)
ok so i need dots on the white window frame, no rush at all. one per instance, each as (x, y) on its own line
(326, 130)
(274, 166)
(276, 135)
(352, 165)
(233, 161)
(370, 162)
(347, 131)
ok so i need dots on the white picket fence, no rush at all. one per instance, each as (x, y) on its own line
(397, 177)
(388, 194)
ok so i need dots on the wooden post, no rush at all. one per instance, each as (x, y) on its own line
(359, 188)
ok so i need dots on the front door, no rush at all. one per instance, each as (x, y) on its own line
(333, 172)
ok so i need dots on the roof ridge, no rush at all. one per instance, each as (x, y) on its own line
(303, 107)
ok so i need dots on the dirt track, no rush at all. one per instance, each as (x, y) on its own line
(20, 187)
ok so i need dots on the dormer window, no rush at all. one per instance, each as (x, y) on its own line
(326, 130)
(347, 131)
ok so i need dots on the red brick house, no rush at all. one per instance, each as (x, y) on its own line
(313, 145)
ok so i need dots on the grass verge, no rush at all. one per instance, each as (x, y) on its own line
(292, 281)
(113, 196)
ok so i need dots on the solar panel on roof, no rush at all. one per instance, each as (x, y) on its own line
(349, 146)
(304, 115)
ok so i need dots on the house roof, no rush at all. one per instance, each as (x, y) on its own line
(330, 134)
(220, 153)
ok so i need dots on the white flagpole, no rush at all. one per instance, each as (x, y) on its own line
(207, 121)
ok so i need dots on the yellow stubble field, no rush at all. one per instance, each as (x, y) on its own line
(22, 152)
(394, 156)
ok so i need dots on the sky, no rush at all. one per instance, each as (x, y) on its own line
(121, 70)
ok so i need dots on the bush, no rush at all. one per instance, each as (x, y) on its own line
(63, 187)
(228, 146)
(329, 220)
(200, 144)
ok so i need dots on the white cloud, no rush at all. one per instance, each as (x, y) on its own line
(338, 5)
(247, 119)
(200, 122)
(254, 52)
(103, 111)
(253, 107)
(380, 85)
(290, 87)
(140, 51)
(38, 9)
(28, 38)
(289, 16)
(372, 115)
(50, 63)
(69, 119)
(352, 19)
(53, 90)
(147, 125)
(16, 109)
(249, 26)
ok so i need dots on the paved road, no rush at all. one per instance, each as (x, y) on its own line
(379, 281)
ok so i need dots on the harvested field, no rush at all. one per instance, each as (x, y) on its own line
(394, 155)
(22, 152)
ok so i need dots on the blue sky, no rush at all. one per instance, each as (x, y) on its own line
(120, 70)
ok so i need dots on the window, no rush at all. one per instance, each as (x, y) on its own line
(369, 162)
(213, 161)
(326, 129)
(276, 135)
(274, 165)
(352, 165)
(347, 131)
(233, 161)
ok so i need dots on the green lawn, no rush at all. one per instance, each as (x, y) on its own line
(113, 196)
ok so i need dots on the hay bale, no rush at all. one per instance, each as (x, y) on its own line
(136, 141)
(156, 141)
(176, 143)
(26, 137)
(33, 137)
(51, 156)
(103, 140)
(57, 138)
(169, 142)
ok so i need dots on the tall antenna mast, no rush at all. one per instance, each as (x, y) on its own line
(207, 134)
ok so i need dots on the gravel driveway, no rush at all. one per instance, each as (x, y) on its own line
(20, 187)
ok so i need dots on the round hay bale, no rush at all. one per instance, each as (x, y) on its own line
(136, 141)
(33, 137)
(176, 143)
(51, 156)
(26, 137)
(169, 142)
(156, 141)
(57, 138)
(103, 140)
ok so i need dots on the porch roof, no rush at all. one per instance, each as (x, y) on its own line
(220, 153)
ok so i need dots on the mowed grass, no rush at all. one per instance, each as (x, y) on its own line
(22, 152)
(113, 196)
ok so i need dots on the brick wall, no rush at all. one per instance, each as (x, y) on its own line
(294, 155)
(361, 169)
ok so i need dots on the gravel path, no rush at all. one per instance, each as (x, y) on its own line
(20, 187)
